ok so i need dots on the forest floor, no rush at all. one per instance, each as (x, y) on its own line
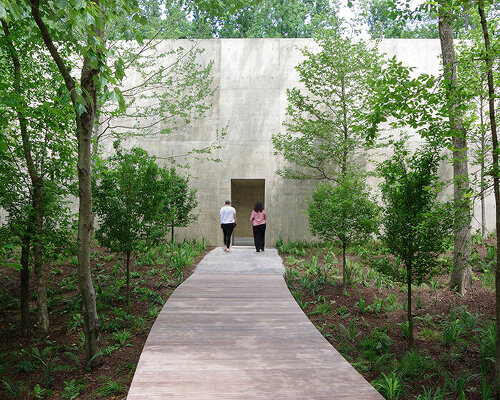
(454, 336)
(53, 366)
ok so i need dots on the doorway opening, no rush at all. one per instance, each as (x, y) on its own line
(244, 194)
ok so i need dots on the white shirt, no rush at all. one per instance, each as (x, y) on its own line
(227, 214)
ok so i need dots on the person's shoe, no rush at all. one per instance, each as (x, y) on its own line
(227, 250)
(257, 251)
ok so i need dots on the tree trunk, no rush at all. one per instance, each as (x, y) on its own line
(128, 280)
(172, 240)
(409, 278)
(496, 182)
(344, 266)
(84, 128)
(43, 312)
(462, 270)
(25, 277)
(482, 165)
(36, 186)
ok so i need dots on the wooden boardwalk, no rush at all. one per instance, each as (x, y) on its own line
(226, 336)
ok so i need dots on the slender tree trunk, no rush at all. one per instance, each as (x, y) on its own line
(84, 127)
(409, 278)
(172, 240)
(25, 278)
(345, 152)
(462, 270)
(43, 312)
(344, 265)
(496, 182)
(36, 186)
(482, 162)
(127, 254)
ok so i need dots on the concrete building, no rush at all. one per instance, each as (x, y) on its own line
(252, 76)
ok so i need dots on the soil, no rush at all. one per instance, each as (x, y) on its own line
(430, 311)
(119, 366)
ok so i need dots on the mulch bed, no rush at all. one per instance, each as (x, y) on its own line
(119, 365)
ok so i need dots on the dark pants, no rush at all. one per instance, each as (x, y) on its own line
(228, 231)
(259, 232)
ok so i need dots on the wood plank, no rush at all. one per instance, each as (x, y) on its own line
(240, 336)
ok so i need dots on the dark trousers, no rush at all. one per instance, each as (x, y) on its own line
(228, 231)
(259, 233)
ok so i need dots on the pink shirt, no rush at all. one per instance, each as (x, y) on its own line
(258, 218)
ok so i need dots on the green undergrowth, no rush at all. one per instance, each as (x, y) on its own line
(454, 352)
(54, 366)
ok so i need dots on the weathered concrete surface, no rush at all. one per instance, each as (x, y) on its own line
(252, 76)
(225, 336)
(241, 260)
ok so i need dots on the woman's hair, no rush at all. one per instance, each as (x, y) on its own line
(258, 207)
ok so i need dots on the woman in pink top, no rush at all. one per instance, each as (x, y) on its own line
(258, 219)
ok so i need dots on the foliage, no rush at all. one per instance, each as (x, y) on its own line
(128, 201)
(415, 223)
(273, 18)
(326, 122)
(344, 212)
(180, 200)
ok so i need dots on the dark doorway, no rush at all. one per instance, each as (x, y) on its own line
(244, 194)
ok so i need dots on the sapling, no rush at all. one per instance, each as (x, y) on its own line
(344, 212)
(416, 225)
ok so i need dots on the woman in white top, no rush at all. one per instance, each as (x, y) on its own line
(227, 223)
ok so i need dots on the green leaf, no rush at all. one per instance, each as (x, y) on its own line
(80, 5)
(15, 266)
(88, 19)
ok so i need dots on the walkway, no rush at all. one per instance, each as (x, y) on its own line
(233, 331)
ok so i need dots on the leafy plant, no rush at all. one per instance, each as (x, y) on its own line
(451, 332)
(361, 305)
(322, 308)
(416, 224)
(389, 386)
(405, 328)
(344, 212)
(72, 389)
(378, 342)
(110, 387)
(429, 394)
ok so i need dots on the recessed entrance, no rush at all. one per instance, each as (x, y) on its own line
(244, 194)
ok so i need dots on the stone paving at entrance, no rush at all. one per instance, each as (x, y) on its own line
(233, 331)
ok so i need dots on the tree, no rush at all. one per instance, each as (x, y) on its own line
(173, 90)
(488, 56)
(274, 18)
(416, 225)
(72, 22)
(327, 121)
(344, 212)
(36, 128)
(128, 199)
(462, 270)
(179, 200)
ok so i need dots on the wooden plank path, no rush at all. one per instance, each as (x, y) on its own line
(233, 331)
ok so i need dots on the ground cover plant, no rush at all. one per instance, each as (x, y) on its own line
(53, 365)
(454, 342)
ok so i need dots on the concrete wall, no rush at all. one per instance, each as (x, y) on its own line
(252, 76)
